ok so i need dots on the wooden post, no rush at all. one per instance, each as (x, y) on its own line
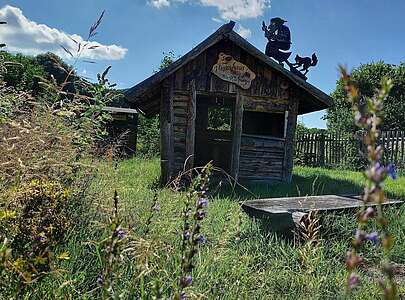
(166, 143)
(289, 140)
(322, 150)
(237, 134)
(190, 137)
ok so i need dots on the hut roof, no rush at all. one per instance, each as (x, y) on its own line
(315, 100)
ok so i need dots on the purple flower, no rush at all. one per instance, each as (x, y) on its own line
(42, 239)
(369, 212)
(100, 280)
(156, 207)
(391, 172)
(201, 239)
(353, 281)
(186, 235)
(203, 202)
(373, 237)
(183, 295)
(199, 215)
(121, 234)
(186, 281)
(377, 172)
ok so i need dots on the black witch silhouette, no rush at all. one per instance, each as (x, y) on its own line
(279, 38)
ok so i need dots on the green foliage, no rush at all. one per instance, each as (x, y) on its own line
(368, 78)
(219, 118)
(167, 60)
(302, 129)
(35, 225)
(46, 164)
(148, 136)
(24, 73)
(148, 127)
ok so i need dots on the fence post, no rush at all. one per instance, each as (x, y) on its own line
(321, 150)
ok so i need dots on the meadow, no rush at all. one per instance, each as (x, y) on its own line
(78, 223)
(240, 259)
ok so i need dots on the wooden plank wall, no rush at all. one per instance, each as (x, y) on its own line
(270, 91)
(181, 102)
(261, 158)
(267, 82)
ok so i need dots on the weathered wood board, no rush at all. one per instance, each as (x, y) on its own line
(284, 213)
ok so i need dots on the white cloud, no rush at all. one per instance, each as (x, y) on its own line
(238, 9)
(228, 9)
(217, 20)
(159, 3)
(244, 32)
(28, 37)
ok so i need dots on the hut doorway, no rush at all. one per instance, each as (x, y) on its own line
(214, 131)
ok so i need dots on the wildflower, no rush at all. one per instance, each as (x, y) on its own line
(41, 238)
(186, 235)
(64, 256)
(183, 295)
(359, 237)
(352, 260)
(353, 281)
(201, 239)
(121, 234)
(391, 171)
(203, 202)
(186, 281)
(199, 215)
(377, 172)
(368, 213)
(100, 281)
(373, 237)
(156, 207)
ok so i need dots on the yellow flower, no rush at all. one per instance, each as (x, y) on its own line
(18, 264)
(39, 260)
(7, 214)
(64, 256)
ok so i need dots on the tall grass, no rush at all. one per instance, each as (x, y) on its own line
(239, 261)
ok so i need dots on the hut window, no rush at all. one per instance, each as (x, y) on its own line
(265, 124)
(219, 118)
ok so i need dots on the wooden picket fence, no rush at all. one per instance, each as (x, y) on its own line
(334, 149)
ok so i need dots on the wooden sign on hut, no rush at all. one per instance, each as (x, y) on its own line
(225, 101)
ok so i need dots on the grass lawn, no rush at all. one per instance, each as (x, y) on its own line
(239, 261)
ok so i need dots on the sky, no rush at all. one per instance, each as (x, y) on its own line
(134, 34)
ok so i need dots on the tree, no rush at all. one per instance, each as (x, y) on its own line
(302, 129)
(368, 77)
(23, 73)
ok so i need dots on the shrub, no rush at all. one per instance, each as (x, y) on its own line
(148, 136)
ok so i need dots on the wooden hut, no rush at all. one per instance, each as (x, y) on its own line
(255, 98)
(122, 129)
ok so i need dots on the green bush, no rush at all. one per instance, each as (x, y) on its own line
(148, 136)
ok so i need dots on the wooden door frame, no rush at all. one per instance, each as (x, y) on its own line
(237, 134)
(237, 116)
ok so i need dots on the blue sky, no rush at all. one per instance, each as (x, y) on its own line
(135, 33)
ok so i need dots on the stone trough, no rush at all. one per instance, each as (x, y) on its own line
(283, 214)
